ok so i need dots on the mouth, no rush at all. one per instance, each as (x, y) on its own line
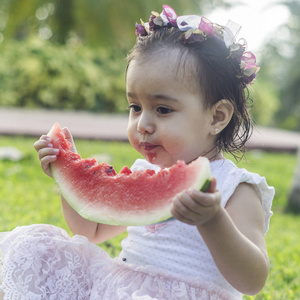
(149, 151)
(148, 146)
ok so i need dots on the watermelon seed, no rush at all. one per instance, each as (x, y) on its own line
(110, 169)
(124, 259)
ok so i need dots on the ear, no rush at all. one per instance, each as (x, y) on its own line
(222, 112)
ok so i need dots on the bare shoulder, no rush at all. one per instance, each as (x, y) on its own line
(245, 209)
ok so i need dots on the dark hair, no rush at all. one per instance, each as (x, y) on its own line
(217, 74)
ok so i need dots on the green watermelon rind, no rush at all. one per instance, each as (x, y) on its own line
(205, 185)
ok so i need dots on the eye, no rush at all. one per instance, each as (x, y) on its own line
(134, 108)
(164, 110)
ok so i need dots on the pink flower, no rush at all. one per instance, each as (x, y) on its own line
(248, 57)
(170, 14)
(248, 67)
(207, 27)
(140, 30)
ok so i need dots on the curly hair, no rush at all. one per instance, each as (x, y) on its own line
(217, 75)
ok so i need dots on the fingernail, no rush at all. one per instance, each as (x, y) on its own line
(56, 150)
(48, 139)
(50, 145)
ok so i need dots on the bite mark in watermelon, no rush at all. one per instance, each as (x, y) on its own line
(140, 197)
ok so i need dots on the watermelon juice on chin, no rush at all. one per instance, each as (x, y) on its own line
(140, 197)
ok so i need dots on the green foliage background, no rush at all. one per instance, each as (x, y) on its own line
(36, 73)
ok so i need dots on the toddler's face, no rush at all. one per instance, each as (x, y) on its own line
(167, 120)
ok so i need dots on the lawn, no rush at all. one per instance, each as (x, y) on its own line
(28, 196)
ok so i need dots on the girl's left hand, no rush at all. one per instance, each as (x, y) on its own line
(195, 207)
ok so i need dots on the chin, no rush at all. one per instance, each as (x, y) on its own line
(161, 160)
(163, 165)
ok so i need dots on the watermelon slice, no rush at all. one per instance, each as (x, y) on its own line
(140, 197)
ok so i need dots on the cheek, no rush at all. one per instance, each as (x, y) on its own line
(132, 134)
(173, 140)
(176, 133)
(181, 138)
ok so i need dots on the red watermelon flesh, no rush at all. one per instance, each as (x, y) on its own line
(140, 197)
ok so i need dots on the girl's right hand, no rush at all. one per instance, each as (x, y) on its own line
(48, 154)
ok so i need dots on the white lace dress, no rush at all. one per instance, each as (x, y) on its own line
(165, 261)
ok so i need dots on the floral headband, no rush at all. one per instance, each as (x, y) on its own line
(198, 29)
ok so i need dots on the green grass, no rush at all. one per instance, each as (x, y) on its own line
(27, 196)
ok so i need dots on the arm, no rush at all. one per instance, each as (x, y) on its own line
(233, 235)
(95, 232)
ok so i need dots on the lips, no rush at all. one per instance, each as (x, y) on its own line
(148, 146)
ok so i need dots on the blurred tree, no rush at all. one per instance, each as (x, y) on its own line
(64, 19)
(266, 101)
(105, 22)
(290, 95)
(280, 60)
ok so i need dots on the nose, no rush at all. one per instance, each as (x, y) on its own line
(145, 124)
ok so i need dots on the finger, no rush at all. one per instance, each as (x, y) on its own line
(67, 133)
(69, 137)
(48, 152)
(45, 163)
(45, 137)
(186, 206)
(203, 199)
(182, 218)
(213, 185)
(43, 142)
